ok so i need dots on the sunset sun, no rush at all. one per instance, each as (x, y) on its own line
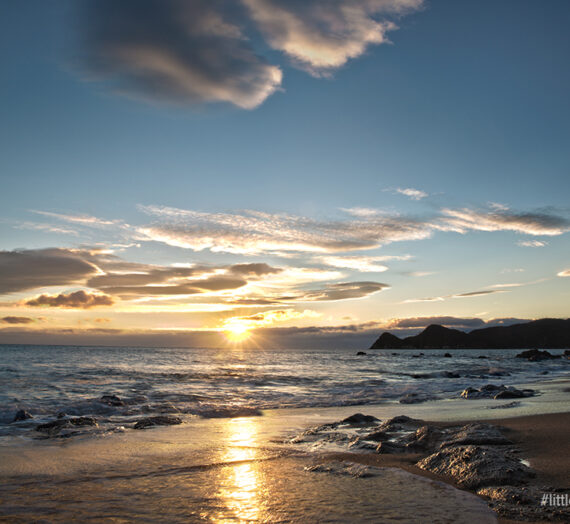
(237, 331)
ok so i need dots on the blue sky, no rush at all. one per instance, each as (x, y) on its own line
(464, 103)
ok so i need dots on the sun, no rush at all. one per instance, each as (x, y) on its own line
(237, 331)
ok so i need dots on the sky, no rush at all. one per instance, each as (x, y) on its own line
(281, 173)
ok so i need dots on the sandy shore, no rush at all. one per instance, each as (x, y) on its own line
(542, 439)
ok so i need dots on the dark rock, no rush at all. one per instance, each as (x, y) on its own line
(55, 426)
(473, 467)
(111, 400)
(22, 414)
(496, 392)
(61, 414)
(477, 434)
(376, 436)
(534, 355)
(426, 438)
(513, 404)
(361, 353)
(401, 423)
(160, 420)
(358, 419)
(514, 393)
(450, 374)
(447, 355)
(482, 356)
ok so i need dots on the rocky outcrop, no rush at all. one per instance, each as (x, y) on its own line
(544, 333)
(111, 400)
(472, 467)
(159, 420)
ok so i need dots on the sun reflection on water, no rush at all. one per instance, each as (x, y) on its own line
(241, 483)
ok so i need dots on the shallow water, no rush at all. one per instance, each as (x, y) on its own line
(221, 470)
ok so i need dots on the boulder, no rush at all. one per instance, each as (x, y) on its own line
(22, 414)
(473, 467)
(361, 353)
(358, 419)
(496, 392)
(534, 355)
(476, 434)
(111, 400)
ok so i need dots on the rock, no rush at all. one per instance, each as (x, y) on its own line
(376, 436)
(426, 438)
(22, 414)
(358, 419)
(390, 448)
(496, 392)
(447, 355)
(482, 356)
(473, 467)
(360, 353)
(111, 400)
(513, 404)
(476, 434)
(159, 420)
(61, 414)
(401, 423)
(55, 426)
(510, 494)
(534, 355)
(514, 393)
(450, 374)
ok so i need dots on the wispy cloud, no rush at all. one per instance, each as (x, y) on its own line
(532, 243)
(414, 194)
(469, 294)
(564, 273)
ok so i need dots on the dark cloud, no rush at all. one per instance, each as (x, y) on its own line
(17, 320)
(29, 269)
(254, 269)
(345, 290)
(422, 322)
(76, 300)
(186, 287)
(175, 50)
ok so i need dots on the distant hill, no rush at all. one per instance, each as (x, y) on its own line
(545, 333)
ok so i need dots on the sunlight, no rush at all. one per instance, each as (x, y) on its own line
(237, 330)
(242, 481)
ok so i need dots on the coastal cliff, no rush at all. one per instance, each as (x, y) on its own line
(545, 333)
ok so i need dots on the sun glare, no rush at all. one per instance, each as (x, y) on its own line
(237, 331)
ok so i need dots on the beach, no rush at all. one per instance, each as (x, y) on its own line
(221, 466)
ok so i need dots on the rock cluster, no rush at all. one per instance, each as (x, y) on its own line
(54, 428)
(497, 392)
(474, 456)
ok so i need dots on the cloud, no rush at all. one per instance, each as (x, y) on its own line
(422, 322)
(322, 35)
(84, 220)
(267, 318)
(503, 219)
(478, 293)
(76, 300)
(344, 291)
(532, 243)
(17, 320)
(414, 194)
(22, 270)
(564, 273)
(254, 232)
(175, 51)
(255, 269)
